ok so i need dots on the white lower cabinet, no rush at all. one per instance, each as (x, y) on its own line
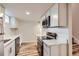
(9, 50)
(46, 50)
(63, 50)
(55, 50)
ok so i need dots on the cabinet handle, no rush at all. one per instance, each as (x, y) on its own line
(67, 48)
(10, 50)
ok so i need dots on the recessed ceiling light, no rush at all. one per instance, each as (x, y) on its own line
(27, 13)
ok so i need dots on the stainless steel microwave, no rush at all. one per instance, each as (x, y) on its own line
(46, 22)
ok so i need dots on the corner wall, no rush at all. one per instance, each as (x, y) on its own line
(29, 31)
(75, 20)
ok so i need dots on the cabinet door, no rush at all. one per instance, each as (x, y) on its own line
(12, 49)
(54, 16)
(63, 14)
(63, 50)
(48, 13)
(9, 50)
(46, 50)
(55, 50)
(1, 11)
(1, 15)
(6, 50)
(13, 23)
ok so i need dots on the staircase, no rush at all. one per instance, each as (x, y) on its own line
(75, 47)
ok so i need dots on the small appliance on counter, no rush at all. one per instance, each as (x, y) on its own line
(51, 35)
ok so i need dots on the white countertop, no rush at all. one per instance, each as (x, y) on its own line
(55, 42)
(10, 37)
(58, 41)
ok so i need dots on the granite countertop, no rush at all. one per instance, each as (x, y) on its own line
(12, 38)
(55, 42)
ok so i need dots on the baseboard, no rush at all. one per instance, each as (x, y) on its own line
(76, 39)
(28, 42)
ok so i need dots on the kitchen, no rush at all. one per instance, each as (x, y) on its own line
(42, 26)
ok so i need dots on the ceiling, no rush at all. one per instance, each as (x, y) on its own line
(18, 10)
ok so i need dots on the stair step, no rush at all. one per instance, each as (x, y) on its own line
(76, 50)
(75, 45)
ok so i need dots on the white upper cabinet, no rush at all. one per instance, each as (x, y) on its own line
(1, 14)
(7, 19)
(58, 15)
(1, 11)
(54, 15)
(1, 20)
(13, 23)
(48, 13)
(63, 11)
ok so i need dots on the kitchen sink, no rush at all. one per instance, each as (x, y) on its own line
(6, 40)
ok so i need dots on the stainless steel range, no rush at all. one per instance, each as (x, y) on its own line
(49, 36)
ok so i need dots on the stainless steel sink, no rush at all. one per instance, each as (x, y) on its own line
(6, 40)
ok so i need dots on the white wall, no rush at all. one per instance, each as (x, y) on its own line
(75, 20)
(28, 31)
(70, 28)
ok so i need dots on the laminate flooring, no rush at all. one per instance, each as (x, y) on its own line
(28, 49)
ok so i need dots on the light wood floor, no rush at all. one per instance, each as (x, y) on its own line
(28, 49)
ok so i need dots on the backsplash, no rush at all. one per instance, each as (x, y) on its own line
(61, 32)
(9, 32)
